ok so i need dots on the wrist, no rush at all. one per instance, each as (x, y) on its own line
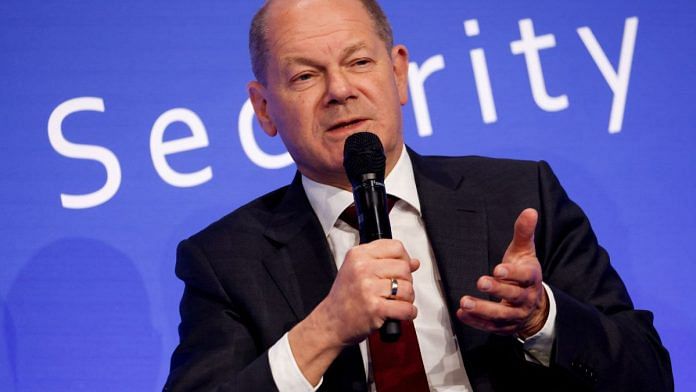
(320, 330)
(538, 318)
(314, 344)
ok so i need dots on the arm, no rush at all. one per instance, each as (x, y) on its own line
(214, 339)
(600, 337)
(600, 340)
(357, 304)
(220, 346)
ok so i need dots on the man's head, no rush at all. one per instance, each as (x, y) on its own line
(257, 35)
(327, 69)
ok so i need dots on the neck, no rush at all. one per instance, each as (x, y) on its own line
(340, 180)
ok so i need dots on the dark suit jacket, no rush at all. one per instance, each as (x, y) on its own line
(254, 274)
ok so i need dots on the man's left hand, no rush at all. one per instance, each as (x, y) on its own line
(523, 306)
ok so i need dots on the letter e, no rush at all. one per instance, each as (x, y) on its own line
(159, 149)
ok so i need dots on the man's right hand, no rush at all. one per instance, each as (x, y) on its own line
(357, 304)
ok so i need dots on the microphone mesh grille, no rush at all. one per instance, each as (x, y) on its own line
(362, 154)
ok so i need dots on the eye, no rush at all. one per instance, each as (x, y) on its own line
(362, 62)
(302, 77)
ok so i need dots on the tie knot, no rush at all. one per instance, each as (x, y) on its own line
(350, 214)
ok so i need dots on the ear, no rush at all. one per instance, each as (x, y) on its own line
(399, 56)
(258, 94)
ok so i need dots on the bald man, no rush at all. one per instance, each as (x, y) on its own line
(495, 270)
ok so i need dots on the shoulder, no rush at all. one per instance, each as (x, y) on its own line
(479, 162)
(499, 182)
(485, 171)
(248, 221)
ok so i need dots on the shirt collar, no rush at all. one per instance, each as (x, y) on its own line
(328, 202)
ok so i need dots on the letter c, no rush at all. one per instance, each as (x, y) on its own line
(251, 148)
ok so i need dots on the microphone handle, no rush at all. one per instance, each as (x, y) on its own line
(373, 224)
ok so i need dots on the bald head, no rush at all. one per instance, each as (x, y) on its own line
(258, 46)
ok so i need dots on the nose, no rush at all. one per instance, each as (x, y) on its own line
(339, 88)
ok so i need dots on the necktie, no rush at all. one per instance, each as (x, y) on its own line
(396, 366)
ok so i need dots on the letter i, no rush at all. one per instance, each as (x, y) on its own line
(483, 81)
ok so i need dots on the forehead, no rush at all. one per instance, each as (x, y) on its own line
(299, 27)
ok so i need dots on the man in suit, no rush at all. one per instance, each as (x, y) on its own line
(498, 273)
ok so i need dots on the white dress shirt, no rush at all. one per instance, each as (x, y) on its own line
(441, 358)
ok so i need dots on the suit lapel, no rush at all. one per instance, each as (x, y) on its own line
(455, 221)
(302, 265)
(303, 268)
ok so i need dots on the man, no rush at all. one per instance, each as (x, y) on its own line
(499, 271)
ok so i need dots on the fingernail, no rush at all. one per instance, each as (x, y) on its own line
(486, 285)
(500, 272)
(467, 304)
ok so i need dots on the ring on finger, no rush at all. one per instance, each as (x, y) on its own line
(394, 288)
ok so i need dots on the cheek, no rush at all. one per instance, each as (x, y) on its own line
(299, 111)
(284, 115)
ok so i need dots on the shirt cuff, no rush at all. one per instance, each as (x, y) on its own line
(537, 348)
(286, 374)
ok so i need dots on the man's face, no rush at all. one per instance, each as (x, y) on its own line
(329, 75)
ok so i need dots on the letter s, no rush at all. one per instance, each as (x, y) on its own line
(84, 151)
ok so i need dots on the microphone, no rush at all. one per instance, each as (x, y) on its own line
(364, 162)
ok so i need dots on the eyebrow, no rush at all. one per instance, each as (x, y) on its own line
(347, 52)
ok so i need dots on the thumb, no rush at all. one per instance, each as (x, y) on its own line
(523, 238)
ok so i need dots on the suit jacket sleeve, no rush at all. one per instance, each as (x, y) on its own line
(600, 337)
(217, 351)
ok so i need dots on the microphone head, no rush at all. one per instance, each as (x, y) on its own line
(363, 154)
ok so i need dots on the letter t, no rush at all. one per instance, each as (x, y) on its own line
(529, 45)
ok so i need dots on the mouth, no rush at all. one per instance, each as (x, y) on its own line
(348, 125)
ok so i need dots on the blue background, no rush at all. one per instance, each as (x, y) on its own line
(88, 297)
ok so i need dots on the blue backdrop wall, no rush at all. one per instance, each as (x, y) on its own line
(125, 129)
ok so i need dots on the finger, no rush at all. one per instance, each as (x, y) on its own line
(485, 325)
(386, 249)
(396, 310)
(525, 273)
(391, 268)
(404, 290)
(523, 237)
(511, 293)
(415, 264)
(490, 316)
